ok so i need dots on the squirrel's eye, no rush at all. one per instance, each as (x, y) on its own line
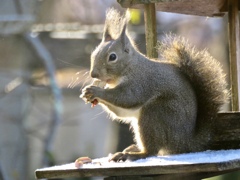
(112, 57)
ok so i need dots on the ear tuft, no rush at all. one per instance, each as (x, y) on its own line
(115, 24)
(108, 38)
(106, 35)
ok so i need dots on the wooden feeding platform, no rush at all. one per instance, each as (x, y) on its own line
(227, 133)
(190, 166)
(184, 166)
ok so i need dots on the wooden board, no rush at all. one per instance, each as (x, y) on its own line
(201, 164)
(216, 168)
(227, 136)
(227, 131)
(192, 7)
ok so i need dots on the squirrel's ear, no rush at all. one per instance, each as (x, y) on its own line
(124, 39)
(106, 35)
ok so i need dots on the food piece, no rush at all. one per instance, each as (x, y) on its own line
(82, 160)
(100, 84)
(94, 103)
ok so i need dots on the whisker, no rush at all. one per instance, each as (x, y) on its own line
(73, 82)
(96, 116)
(86, 79)
(78, 78)
(68, 63)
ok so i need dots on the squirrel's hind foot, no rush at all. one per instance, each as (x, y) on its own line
(123, 156)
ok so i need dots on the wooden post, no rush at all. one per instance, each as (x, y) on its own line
(150, 30)
(234, 51)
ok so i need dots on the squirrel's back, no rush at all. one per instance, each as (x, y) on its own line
(205, 74)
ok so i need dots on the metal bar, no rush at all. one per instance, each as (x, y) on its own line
(47, 59)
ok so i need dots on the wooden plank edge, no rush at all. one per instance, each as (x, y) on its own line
(222, 167)
(234, 51)
(217, 8)
(227, 131)
(228, 121)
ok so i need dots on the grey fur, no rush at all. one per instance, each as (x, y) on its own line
(171, 103)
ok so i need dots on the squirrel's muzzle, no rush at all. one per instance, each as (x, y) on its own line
(94, 74)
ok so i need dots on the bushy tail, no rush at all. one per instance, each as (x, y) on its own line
(205, 74)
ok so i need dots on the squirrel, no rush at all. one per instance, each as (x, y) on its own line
(171, 102)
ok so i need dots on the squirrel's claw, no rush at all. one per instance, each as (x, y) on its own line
(132, 156)
(89, 94)
(119, 156)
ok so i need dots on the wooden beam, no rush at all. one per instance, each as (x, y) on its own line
(150, 30)
(192, 7)
(234, 51)
(227, 131)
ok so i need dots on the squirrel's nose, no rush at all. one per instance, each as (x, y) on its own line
(94, 74)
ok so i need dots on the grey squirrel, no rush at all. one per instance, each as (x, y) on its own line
(171, 103)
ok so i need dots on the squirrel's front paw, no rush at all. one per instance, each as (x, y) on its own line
(90, 94)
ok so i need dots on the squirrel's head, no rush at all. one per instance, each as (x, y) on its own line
(110, 59)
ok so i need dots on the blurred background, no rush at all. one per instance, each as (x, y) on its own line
(45, 49)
